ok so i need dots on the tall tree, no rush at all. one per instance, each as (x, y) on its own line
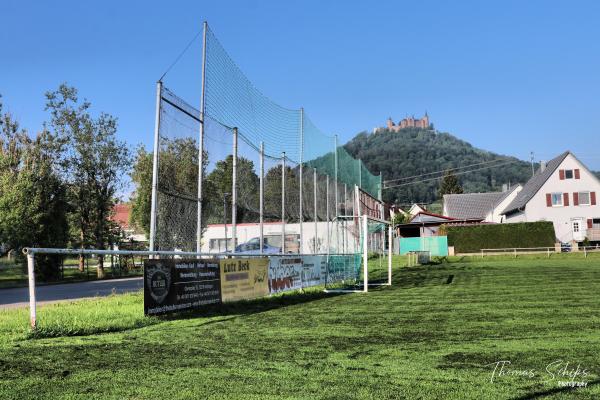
(272, 197)
(177, 192)
(219, 182)
(94, 163)
(32, 196)
(449, 184)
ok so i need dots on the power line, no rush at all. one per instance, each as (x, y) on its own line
(444, 170)
(458, 173)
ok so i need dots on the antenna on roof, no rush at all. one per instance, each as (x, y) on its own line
(532, 168)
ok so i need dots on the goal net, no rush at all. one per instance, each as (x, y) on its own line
(363, 257)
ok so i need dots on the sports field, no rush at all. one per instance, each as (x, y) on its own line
(437, 333)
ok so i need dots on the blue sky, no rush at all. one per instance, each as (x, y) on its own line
(510, 77)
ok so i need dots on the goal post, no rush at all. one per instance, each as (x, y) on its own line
(366, 257)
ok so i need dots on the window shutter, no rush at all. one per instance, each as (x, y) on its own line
(593, 198)
(561, 174)
(576, 199)
(566, 199)
(590, 223)
(548, 200)
(577, 175)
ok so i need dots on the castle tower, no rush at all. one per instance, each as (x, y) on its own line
(425, 121)
(390, 124)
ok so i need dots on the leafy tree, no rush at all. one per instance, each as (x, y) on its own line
(32, 196)
(272, 198)
(449, 184)
(94, 163)
(400, 218)
(141, 201)
(220, 181)
(177, 192)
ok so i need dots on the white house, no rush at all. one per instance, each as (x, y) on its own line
(564, 192)
(487, 207)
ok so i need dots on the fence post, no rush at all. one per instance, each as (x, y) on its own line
(32, 304)
(390, 252)
(234, 191)
(155, 161)
(515, 250)
(261, 194)
(301, 176)
(327, 210)
(315, 201)
(585, 252)
(482, 253)
(365, 255)
(283, 202)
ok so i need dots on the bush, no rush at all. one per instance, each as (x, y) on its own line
(473, 238)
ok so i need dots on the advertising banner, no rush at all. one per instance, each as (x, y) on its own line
(244, 278)
(313, 270)
(285, 273)
(178, 285)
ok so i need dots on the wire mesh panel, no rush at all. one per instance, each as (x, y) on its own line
(177, 194)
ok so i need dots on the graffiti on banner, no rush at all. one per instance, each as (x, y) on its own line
(313, 270)
(178, 285)
(244, 278)
(285, 273)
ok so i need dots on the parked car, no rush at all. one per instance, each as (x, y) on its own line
(253, 246)
(565, 247)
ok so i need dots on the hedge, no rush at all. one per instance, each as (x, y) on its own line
(473, 238)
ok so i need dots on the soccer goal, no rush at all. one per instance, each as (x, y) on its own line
(364, 258)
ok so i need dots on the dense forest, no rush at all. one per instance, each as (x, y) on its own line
(414, 151)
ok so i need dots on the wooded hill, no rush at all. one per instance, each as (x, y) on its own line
(415, 151)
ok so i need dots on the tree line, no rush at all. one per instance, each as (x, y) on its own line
(58, 187)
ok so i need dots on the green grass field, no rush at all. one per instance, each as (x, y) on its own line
(422, 338)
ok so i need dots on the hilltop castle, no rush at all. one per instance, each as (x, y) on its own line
(408, 122)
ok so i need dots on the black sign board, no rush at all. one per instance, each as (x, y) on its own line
(178, 285)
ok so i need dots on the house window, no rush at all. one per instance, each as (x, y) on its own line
(557, 199)
(584, 198)
(568, 174)
(596, 223)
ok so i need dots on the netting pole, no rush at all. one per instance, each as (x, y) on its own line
(327, 209)
(359, 173)
(283, 203)
(380, 191)
(365, 254)
(345, 220)
(315, 201)
(261, 194)
(335, 183)
(201, 145)
(151, 242)
(234, 190)
(301, 180)
(390, 252)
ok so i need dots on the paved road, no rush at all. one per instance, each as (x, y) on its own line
(19, 297)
